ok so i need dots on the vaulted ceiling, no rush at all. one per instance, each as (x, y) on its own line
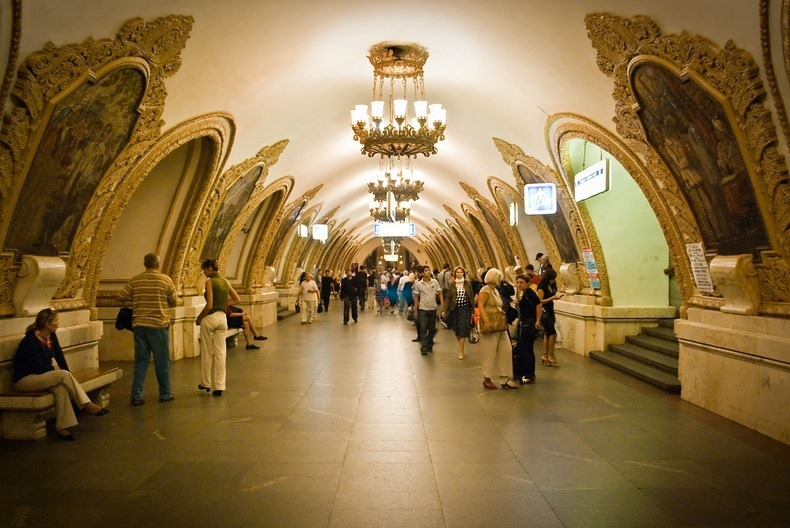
(293, 70)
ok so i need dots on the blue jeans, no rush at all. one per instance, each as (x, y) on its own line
(149, 341)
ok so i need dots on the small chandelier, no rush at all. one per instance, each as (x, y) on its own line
(404, 184)
(390, 210)
(389, 134)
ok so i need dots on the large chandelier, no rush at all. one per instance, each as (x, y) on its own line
(393, 190)
(391, 133)
(390, 211)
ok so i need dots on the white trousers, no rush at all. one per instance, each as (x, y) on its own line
(497, 355)
(64, 387)
(213, 330)
(308, 310)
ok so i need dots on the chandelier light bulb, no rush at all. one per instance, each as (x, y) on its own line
(376, 109)
(399, 108)
(421, 109)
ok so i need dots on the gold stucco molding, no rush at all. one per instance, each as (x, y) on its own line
(581, 229)
(265, 159)
(296, 249)
(49, 75)
(511, 235)
(267, 244)
(13, 50)
(731, 76)
(484, 256)
(659, 188)
(768, 64)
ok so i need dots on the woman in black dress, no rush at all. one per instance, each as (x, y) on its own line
(458, 306)
(547, 292)
(530, 311)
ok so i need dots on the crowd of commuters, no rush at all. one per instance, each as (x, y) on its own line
(485, 308)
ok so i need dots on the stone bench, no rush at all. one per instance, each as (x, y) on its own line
(23, 415)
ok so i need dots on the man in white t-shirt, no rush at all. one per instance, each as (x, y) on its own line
(427, 298)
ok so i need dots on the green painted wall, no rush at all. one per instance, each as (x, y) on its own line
(634, 247)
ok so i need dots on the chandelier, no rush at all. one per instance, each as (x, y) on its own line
(389, 211)
(389, 134)
(393, 191)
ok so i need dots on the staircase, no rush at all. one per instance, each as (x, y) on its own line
(651, 356)
(284, 313)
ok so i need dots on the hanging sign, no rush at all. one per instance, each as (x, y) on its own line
(394, 229)
(699, 267)
(591, 181)
(540, 198)
(592, 268)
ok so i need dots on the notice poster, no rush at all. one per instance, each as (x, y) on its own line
(699, 267)
(592, 268)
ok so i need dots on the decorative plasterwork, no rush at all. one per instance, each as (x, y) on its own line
(477, 217)
(462, 258)
(13, 50)
(659, 188)
(579, 225)
(265, 158)
(731, 76)
(514, 239)
(768, 64)
(219, 130)
(295, 253)
(49, 75)
(267, 244)
(464, 244)
(484, 256)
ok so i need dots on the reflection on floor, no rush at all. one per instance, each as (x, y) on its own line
(343, 426)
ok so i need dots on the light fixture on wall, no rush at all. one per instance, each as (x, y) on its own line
(387, 131)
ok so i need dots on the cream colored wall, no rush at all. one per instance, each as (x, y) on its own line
(632, 241)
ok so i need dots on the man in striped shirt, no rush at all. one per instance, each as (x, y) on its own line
(152, 294)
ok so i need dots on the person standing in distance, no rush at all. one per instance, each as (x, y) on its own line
(427, 298)
(152, 294)
(348, 292)
(214, 327)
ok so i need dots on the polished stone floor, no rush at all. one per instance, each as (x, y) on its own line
(345, 426)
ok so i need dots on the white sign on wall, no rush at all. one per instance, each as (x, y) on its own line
(320, 232)
(513, 214)
(540, 198)
(390, 258)
(591, 181)
(394, 229)
(302, 230)
(699, 267)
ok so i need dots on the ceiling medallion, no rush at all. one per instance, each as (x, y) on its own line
(392, 133)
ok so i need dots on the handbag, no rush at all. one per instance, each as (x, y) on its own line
(496, 320)
(320, 307)
(297, 307)
(124, 319)
(474, 335)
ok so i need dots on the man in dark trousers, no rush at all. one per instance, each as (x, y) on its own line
(361, 282)
(348, 292)
(326, 288)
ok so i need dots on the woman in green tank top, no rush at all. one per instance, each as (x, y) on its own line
(214, 327)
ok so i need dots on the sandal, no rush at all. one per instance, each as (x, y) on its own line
(509, 384)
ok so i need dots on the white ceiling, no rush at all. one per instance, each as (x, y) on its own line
(293, 70)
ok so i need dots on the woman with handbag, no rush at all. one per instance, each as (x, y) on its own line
(458, 305)
(494, 341)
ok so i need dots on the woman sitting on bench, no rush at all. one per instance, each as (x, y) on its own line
(238, 318)
(40, 365)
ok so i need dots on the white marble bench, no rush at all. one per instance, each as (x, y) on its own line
(23, 415)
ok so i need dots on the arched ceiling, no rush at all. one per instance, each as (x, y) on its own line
(293, 70)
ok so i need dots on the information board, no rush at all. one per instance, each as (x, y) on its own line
(699, 267)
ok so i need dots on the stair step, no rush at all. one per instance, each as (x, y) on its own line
(652, 375)
(662, 332)
(650, 357)
(669, 323)
(284, 313)
(655, 343)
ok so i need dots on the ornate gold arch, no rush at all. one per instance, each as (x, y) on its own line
(460, 249)
(495, 249)
(731, 76)
(265, 159)
(510, 232)
(581, 229)
(449, 248)
(295, 252)
(267, 243)
(219, 129)
(659, 188)
(45, 79)
(466, 247)
(486, 259)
